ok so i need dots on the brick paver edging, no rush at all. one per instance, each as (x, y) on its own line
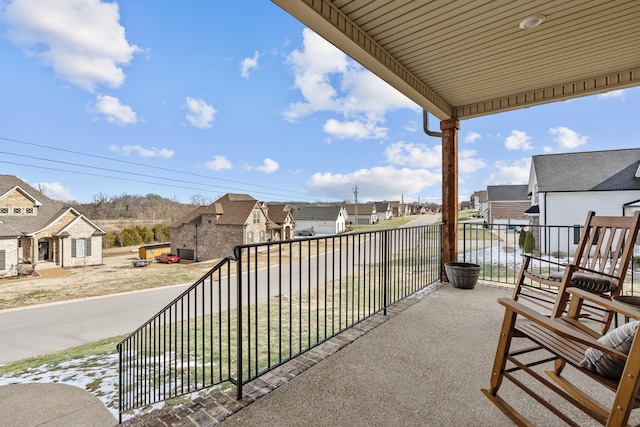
(211, 410)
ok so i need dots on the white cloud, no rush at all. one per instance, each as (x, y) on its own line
(373, 184)
(613, 94)
(249, 64)
(354, 129)
(114, 111)
(567, 138)
(468, 163)
(200, 113)
(219, 163)
(268, 166)
(82, 40)
(472, 137)
(143, 152)
(414, 155)
(515, 173)
(55, 190)
(330, 82)
(518, 140)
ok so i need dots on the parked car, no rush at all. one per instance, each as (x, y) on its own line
(307, 232)
(168, 258)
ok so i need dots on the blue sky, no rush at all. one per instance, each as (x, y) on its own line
(209, 97)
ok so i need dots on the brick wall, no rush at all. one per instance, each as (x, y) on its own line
(508, 210)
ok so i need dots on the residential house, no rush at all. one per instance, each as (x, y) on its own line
(564, 187)
(281, 223)
(384, 211)
(480, 202)
(323, 219)
(38, 231)
(210, 232)
(507, 204)
(366, 215)
(399, 209)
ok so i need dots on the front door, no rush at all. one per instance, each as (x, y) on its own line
(43, 250)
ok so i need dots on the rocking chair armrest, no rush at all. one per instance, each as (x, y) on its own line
(606, 303)
(558, 327)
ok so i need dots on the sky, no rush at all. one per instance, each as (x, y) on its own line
(196, 100)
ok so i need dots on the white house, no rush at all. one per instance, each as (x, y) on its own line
(323, 219)
(384, 211)
(564, 187)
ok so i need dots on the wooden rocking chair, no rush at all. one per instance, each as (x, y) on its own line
(558, 340)
(599, 266)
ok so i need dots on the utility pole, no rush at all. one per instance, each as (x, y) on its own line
(402, 204)
(355, 193)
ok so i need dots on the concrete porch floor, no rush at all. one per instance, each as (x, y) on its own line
(422, 365)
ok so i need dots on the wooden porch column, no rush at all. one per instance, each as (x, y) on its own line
(449, 130)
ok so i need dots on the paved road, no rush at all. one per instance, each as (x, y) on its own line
(42, 329)
(39, 330)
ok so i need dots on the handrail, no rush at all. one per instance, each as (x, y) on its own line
(269, 303)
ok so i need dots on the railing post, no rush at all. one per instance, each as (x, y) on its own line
(464, 242)
(385, 266)
(238, 254)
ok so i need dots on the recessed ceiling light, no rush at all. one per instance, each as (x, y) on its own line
(532, 22)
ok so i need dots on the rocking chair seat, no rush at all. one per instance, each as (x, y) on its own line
(586, 281)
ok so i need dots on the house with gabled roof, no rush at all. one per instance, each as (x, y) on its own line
(322, 219)
(36, 230)
(366, 214)
(564, 187)
(384, 211)
(281, 223)
(507, 204)
(211, 232)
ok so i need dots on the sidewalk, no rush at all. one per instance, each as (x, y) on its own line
(51, 405)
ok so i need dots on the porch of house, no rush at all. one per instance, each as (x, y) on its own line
(422, 364)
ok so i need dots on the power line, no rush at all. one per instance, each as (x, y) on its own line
(142, 164)
(121, 178)
(290, 194)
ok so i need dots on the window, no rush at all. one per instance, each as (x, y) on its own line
(80, 248)
(250, 237)
(3, 264)
(4, 211)
(256, 217)
(17, 211)
(262, 236)
(576, 234)
(29, 210)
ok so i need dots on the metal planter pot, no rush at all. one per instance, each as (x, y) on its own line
(462, 275)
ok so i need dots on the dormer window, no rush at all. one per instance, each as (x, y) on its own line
(4, 211)
(256, 217)
(17, 211)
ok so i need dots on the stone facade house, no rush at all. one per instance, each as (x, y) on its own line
(507, 204)
(211, 232)
(281, 223)
(38, 231)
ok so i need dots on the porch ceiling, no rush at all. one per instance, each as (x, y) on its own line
(467, 58)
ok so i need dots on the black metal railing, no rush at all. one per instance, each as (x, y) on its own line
(268, 304)
(498, 249)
